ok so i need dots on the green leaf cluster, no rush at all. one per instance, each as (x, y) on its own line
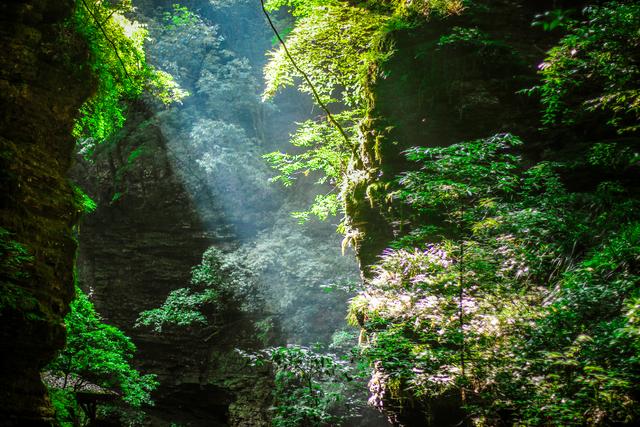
(597, 56)
(334, 43)
(338, 45)
(98, 353)
(219, 284)
(309, 385)
(118, 62)
(84, 203)
(15, 261)
(518, 294)
(178, 17)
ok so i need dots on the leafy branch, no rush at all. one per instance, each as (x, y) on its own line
(304, 75)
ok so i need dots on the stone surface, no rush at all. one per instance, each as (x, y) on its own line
(139, 245)
(42, 85)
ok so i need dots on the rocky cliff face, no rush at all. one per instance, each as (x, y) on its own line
(141, 244)
(41, 89)
(449, 80)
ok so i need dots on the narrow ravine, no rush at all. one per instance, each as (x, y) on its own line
(179, 181)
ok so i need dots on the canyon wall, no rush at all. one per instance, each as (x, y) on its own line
(42, 85)
(449, 80)
(178, 180)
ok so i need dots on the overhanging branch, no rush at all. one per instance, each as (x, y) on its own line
(305, 76)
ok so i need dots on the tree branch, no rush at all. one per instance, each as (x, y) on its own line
(104, 33)
(305, 76)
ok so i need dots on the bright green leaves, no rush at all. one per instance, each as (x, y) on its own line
(116, 44)
(101, 354)
(324, 158)
(323, 207)
(599, 52)
(324, 152)
(333, 43)
(181, 308)
(461, 173)
(330, 43)
(116, 48)
(301, 8)
(338, 45)
(180, 16)
(458, 185)
(532, 283)
(84, 203)
(298, 8)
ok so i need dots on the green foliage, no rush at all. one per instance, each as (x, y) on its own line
(219, 284)
(463, 35)
(552, 19)
(460, 174)
(334, 43)
(118, 62)
(65, 406)
(508, 285)
(324, 152)
(309, 385)
(526, 301)
(84, 203)
(180, 16)
(338, 45)
(590, 358)
(13, 256)
(595, 68)
(101, 354)
(279, 272)
(218, 138)
(181, 308)
(15, 260)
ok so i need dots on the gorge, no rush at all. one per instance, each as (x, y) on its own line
(387, 213)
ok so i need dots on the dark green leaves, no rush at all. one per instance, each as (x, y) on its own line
(598, 56)
(309, 385)
(220, 283)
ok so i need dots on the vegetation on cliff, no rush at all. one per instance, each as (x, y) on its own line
(95, 354)
(119, 64)
(524, 305)
(511, 286)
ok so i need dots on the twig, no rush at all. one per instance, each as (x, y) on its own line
(461, 303)
(104, 33)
